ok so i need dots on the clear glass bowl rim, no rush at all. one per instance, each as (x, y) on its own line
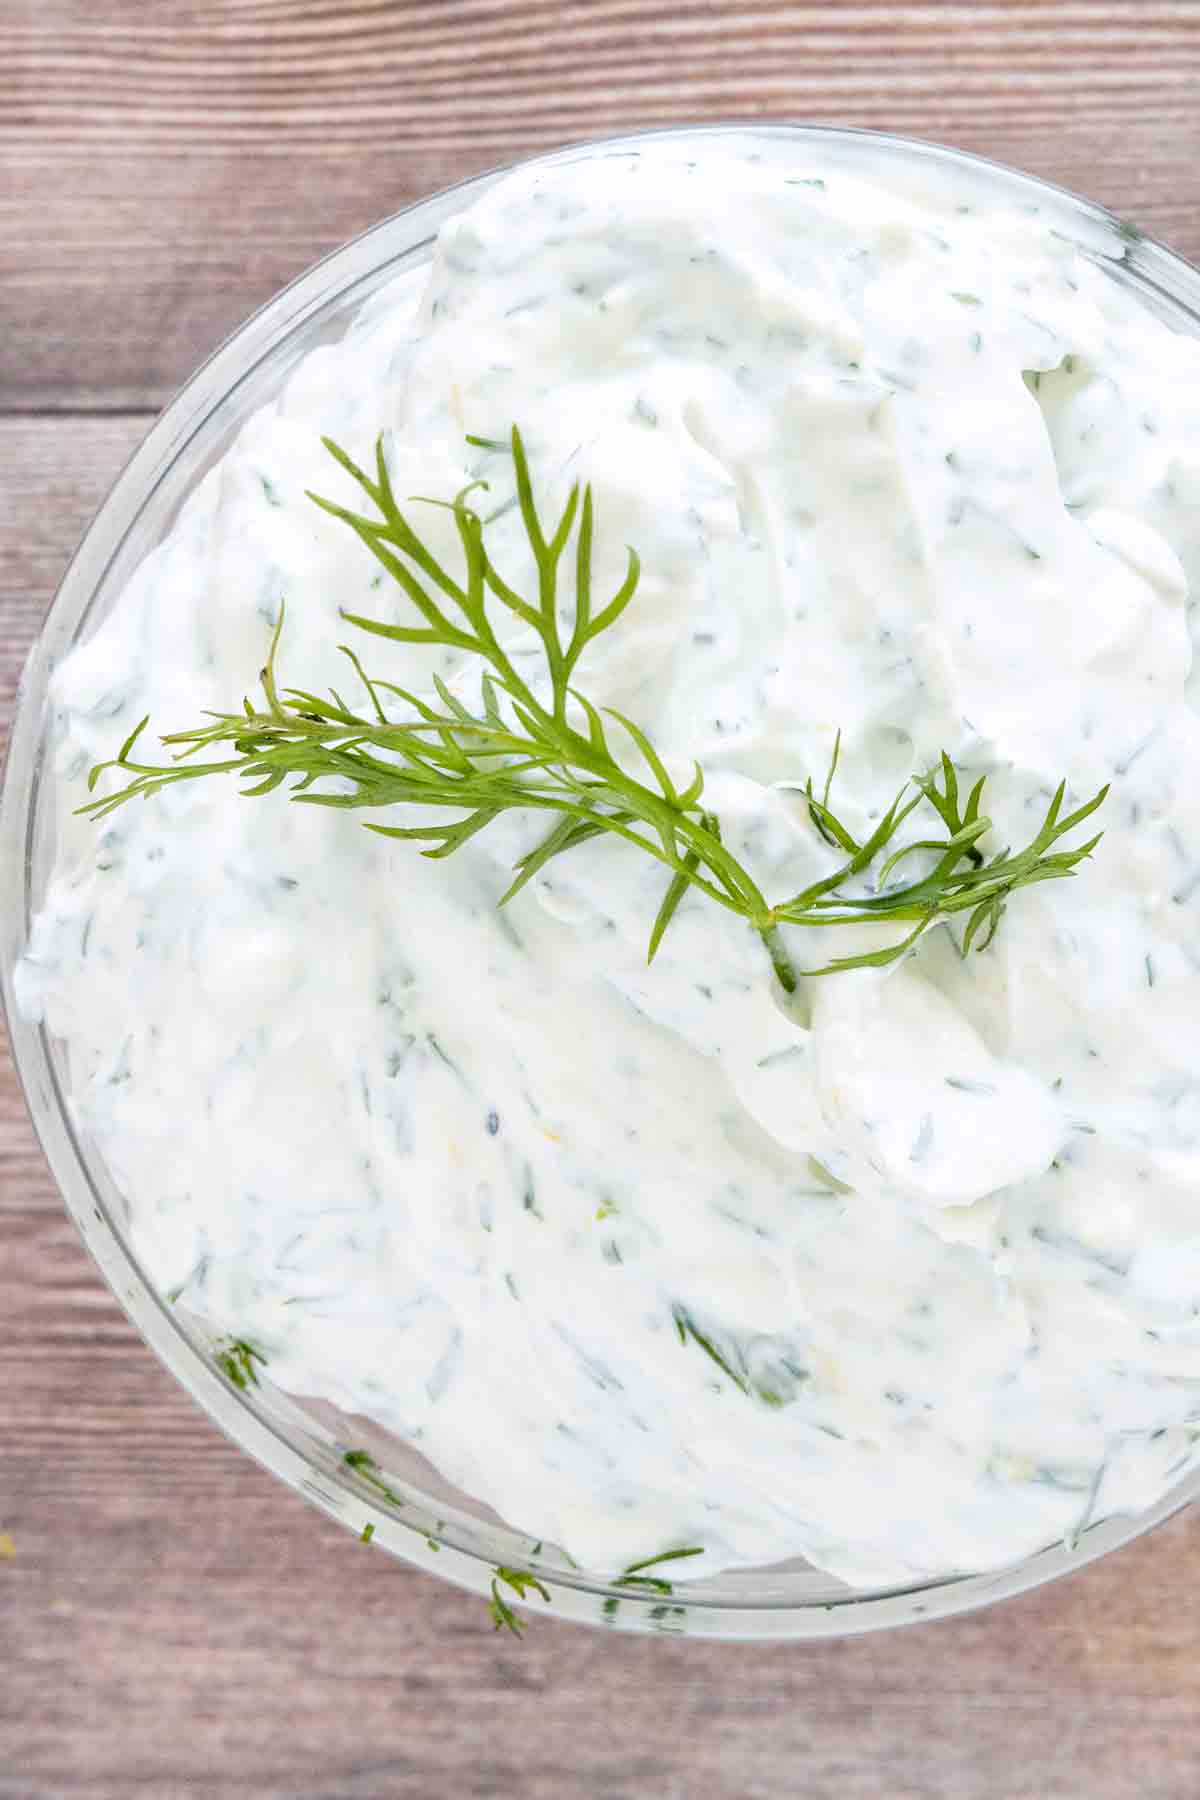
(320, 1477)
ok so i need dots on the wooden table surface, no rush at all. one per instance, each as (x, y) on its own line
(173, 1622)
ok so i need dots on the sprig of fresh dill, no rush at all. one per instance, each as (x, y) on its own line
(547, 748)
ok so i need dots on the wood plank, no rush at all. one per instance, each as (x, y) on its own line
(178, 163)
(52, 480)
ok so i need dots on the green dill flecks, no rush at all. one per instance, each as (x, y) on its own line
(597, 1372)
(775, 1385)
(1071, 1538)
(635, 1576)
(270, 491)
(520, 1581)
(529, 1195)
(610, 1609)
(545, 747)
(367, 1469)
(236, 1361)
(441, 1055)
(367, 1533)
(687, 1328)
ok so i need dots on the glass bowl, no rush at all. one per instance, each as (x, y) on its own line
(399, 1502)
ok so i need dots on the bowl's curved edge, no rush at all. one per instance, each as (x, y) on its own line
(689, 1612)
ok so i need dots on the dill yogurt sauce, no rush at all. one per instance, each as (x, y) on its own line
(902, 1276)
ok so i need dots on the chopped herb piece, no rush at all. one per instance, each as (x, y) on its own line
(236, 1361)
(520, 1581)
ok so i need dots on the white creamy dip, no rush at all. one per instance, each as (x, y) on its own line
(909, 467)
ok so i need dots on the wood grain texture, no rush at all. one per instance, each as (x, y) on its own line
(176, 162)
(174, 1623)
